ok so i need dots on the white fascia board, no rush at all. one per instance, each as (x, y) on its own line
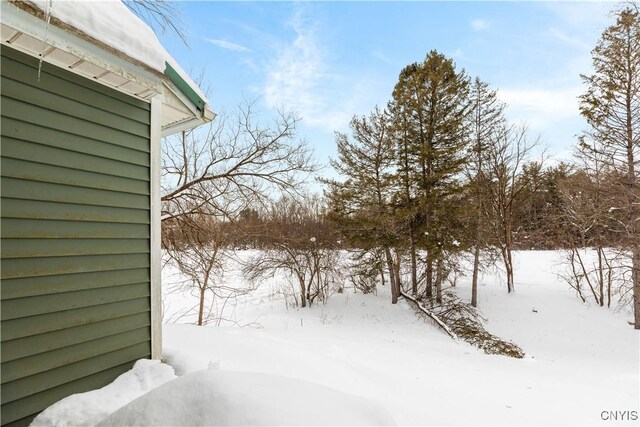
(197, 117)
(83, 49)
(180, 126)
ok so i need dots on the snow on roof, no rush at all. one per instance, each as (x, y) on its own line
(112, 23)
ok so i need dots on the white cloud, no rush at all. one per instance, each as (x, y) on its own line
(552, 113)
(479, 25)
(227, 45)
(569, 40)
(382, 57)
(582, 15)
(558, 103)
(301, 79)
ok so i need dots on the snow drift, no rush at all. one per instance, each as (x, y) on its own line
(88, 409)
(228, 398)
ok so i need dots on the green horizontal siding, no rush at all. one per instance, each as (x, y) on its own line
(53, 120)
(51, 266)
(35, 190)
(36, 209)
(35, 344)
(40, 229)
(21, 169)
(75, 370)
(53, 79)
(48, 285)
(34, 95)
(34, 325)
(27, 248)
(21, 368)
(25, 409)
(31, 306)
(45, 154)
(75, 227)
(70, 143)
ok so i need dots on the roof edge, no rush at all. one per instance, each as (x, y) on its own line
(31, 8)
(184, 87)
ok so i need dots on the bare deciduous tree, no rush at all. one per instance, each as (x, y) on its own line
(506, 160)
(161, 15)
(486, 117)
(308, 259)
(611, 106)
(233, 165)
(201, 258)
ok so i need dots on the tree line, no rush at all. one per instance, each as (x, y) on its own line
(437, 175)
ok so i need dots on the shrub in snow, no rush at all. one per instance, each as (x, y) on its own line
(88, 409)
(225, 398)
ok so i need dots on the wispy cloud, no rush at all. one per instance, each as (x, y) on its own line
(541, 107)
(561, 102)
(382, 57)
(301, 78)
(228, 45)
(569, 40)
(479, 25)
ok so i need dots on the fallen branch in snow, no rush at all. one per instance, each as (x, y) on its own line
(430, 315)
(462, 321)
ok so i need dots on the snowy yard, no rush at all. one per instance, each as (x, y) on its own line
(581, 364)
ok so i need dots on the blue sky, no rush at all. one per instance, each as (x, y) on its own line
(330, 60)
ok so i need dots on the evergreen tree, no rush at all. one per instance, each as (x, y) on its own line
(359, 205)
(429, 108)
(611, 106)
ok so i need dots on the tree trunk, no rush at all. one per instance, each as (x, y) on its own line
(601, 276)
(509, 267)
(474, 280)
(303, 292)
(398, 283)
(429, 275)
(201, 306)
(507, 256)
(392, 276)
(635, 277)
(414, 267)
(439, 279)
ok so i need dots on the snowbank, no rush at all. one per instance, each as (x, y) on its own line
(226, 398)
(308, 365)
(88, 409)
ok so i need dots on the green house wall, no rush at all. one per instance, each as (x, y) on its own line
(75, 228)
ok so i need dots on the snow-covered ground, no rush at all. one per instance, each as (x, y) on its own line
(581, 366)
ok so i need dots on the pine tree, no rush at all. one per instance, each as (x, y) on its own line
(611, 106)
(429, 108)
(359, 205)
